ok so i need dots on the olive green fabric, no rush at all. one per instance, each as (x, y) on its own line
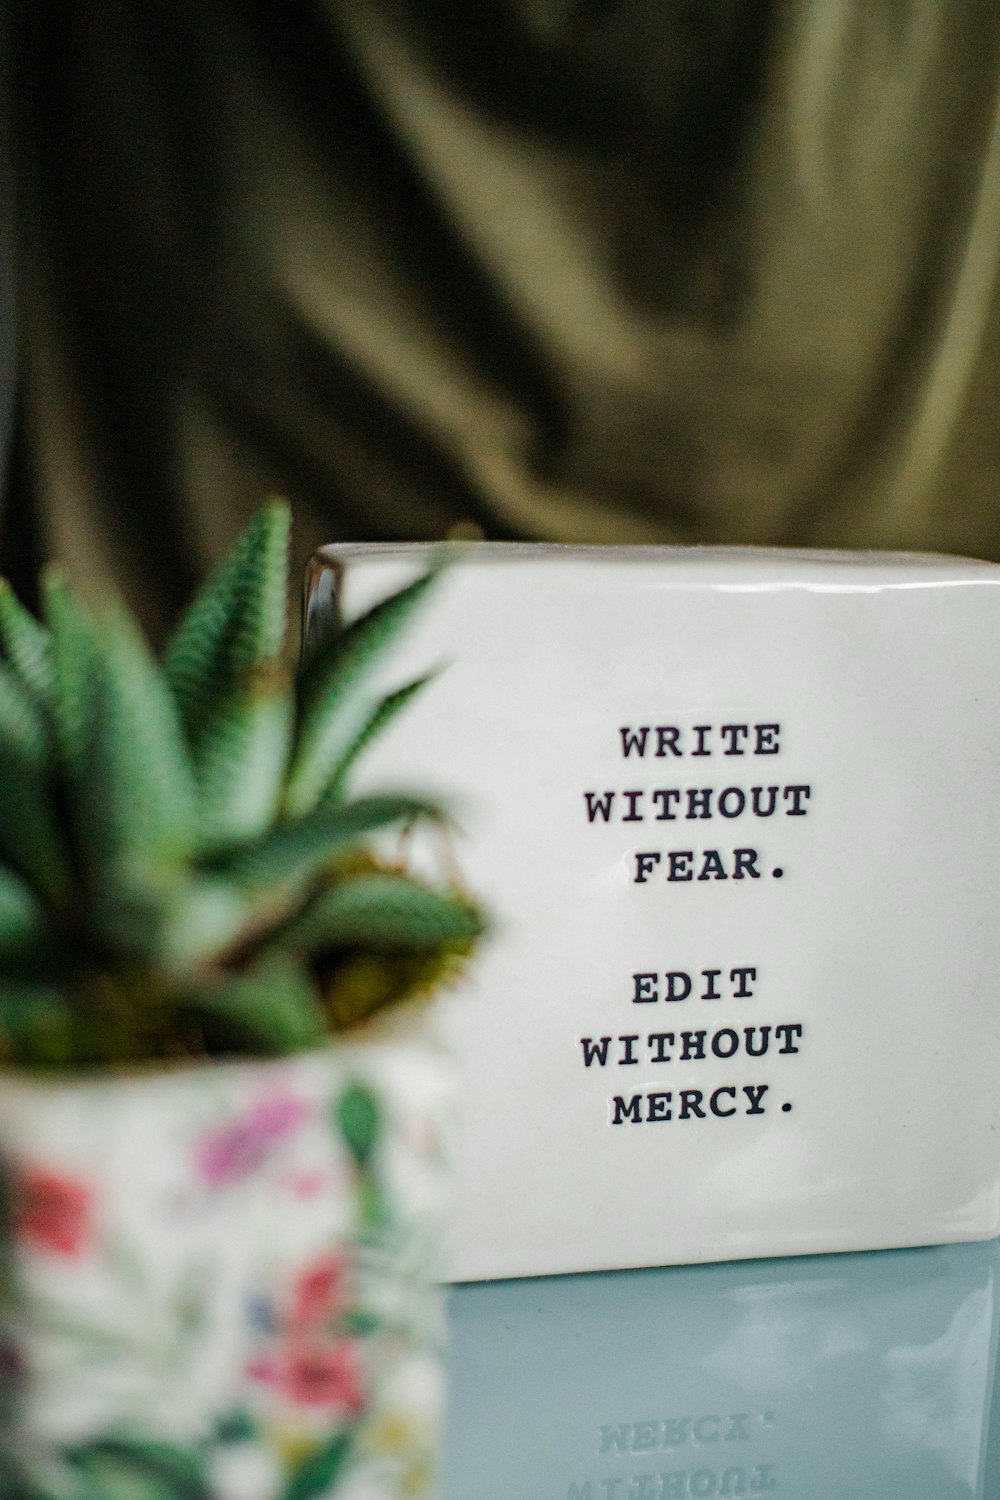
(584, 270)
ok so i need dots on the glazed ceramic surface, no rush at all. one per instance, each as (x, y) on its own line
(736, 814)
(857, 1377)
(224, 1280)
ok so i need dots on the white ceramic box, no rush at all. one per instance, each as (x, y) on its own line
(736, 816)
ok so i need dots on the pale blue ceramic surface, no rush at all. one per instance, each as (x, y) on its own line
(851, 1377)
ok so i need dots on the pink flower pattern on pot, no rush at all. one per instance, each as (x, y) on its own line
(180, 1295)
(314, 1361)
(321, 1288)
(234, 1150)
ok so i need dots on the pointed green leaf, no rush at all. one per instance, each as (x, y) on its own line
(378, 720)
(202, 919)
(240, 758)
(273, 1009)
(236, 621)
(137, 800)
(126, 909)
(357, 1118)
(29, 836)
(74, 671)
(297, 849)
(318, 1475)
(383, 911)
(333, 710)
(22, 919)
(27, 644)
(22, 728)
(166, 916)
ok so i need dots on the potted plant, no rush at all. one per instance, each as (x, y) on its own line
(222, 1134)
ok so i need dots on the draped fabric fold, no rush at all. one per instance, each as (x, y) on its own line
(567, 269)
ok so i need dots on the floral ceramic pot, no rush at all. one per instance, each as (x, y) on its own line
(223, 1280)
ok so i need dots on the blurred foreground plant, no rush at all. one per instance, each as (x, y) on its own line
(182, 872)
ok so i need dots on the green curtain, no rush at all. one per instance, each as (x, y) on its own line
(582, 270)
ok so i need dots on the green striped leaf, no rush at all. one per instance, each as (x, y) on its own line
(137, 800)
(29, 837)
(74, 671)
(169, 918)
(383, 911)
(272, 1010)
(299, 848)
(240, 759)
(28, 646)
(236, 622)
(23, 731)
(22, 919)
(379, 719)
(30, 841)
(333, 708)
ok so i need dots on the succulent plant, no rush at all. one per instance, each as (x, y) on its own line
(182, 871)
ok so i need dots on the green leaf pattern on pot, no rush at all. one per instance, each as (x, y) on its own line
(207, 1304)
